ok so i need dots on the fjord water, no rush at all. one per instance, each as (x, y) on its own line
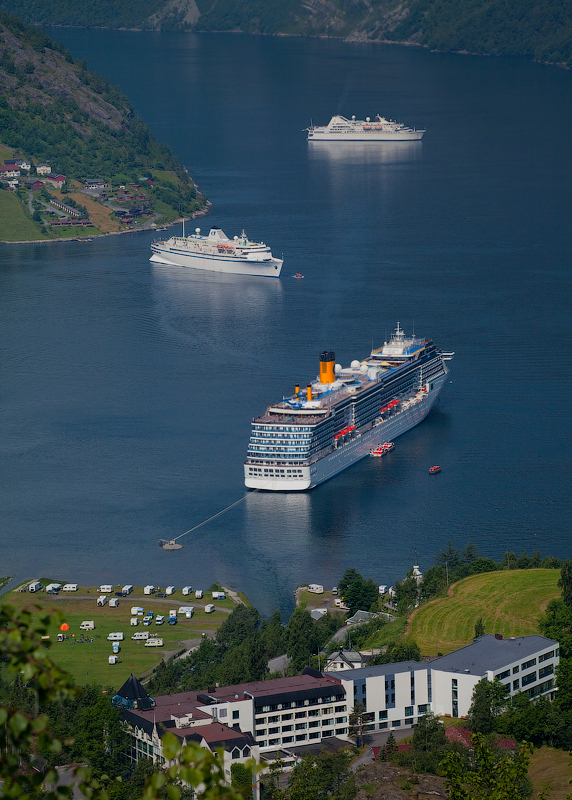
(128, 388)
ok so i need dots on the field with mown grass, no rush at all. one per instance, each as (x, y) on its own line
(15, 226)
(510, 602)
(85, 653)
(550, 768)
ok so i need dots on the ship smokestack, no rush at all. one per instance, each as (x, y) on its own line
(297, 389)
(327, 363)
(309, 392)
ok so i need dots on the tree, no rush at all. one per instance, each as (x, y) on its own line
(429, 734)
(273, 634)
(241, 776)
(301, 639)
(319, 777)
(494, 776)
(479, 628)
(565, 582)
(358, 593)
(471, 552)
(406, 594)
(451, 557)
(406, 650)
(488, 702)
(357, 722)
(390, 746)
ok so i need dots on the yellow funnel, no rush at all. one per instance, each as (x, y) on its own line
(327, 361)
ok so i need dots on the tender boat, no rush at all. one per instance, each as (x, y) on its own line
(434, 470)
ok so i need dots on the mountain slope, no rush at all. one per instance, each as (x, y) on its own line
(52, 109)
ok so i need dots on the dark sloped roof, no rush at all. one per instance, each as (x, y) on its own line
(132, 690)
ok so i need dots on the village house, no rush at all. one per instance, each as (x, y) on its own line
(57, 181)
(95, 183)
(343, 659)
(66, 209)
(43, 169)
(20, 163)
(9, 171)
(34, 186)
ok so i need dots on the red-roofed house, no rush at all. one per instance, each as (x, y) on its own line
(57, 181)
(9, 171)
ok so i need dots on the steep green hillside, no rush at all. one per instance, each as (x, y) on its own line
(54, 110)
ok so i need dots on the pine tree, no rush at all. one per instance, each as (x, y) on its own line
(479, 628)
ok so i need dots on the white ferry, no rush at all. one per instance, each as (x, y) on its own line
(217, 253)
(317, 432)
(340, 129)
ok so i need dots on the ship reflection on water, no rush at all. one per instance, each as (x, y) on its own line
(361, 153)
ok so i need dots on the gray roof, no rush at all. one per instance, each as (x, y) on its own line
(380, 669)
(489, 653)
(361, 616)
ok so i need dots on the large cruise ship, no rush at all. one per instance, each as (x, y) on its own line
(217, 253)
(309, 437)
(340, 129)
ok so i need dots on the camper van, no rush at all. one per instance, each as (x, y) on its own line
(134, 622)
(316, 588)
(209, 608)
(87, 625)
(114, 602)
(115, 647)
(154, 642)
(139, 636)
(149, 589)
(188, 611)
(113, 659)
(219, 596)
(36, 586)
(127, 589)
(170, 590)
(187, 589)
(199, 594)
(102, 601)
(105, 588)
(70, 587)
(160, 619)
(115, 637)
(137, 611)
(53, 588)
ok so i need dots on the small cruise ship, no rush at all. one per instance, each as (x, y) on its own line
(217, 253)
(315, 433)
(340, 129)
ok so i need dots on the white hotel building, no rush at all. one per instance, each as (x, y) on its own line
(396, 695)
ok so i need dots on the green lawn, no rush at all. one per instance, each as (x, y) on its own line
(85, 653)
(15, 226)
(550, 767)
(510, 602)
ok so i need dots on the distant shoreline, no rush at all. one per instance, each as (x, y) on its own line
(202, 213)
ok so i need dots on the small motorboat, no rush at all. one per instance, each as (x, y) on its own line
(298, 275)
(377, 451)
(434, 470)
(388, 446)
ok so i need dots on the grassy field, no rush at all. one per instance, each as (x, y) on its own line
(510, 602)
(15, 226)
(100, 215)
(85, 653)
(550, 768)
(387, 635)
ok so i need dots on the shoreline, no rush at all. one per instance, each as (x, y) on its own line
(202, 213)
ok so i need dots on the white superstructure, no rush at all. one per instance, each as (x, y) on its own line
(340, 129)
(217, 253)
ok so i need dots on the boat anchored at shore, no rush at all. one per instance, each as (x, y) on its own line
(340, 129)
(217, 253)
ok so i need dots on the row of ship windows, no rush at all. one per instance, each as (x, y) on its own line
(274, 428)
(280, 436)
(266, 471)
(280, 449)
(302, 737)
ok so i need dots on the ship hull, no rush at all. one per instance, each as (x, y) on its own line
(398, 136)
(228, 264)
(343, 457)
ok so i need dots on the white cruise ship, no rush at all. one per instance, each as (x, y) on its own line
(340, 129)
(217, 253)
(309, 437)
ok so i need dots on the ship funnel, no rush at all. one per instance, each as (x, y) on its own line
(327, 362)
(308, 392)
(297, 389)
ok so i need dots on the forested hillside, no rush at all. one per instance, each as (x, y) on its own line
(54, 110)
(541, 29)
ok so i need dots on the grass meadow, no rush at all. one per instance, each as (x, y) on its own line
(510, 603)
(15, 226)
(85, 653)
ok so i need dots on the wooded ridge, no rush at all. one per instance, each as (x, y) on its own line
(539, 29)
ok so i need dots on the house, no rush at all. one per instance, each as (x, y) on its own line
(9, 171)
(43, 169)
(344, 660)
(397, 695)
(362, 616)
(20, 163)
(34, 186)
(318, 613)
(95, 183)
(57, 181)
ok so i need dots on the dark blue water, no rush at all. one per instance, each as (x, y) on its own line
(127, 389)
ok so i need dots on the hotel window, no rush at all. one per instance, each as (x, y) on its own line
(235, 714)
(326, 722)
(300, 715)
(286, 728)
(273, 742)
(261, 732)
(503, 675)
(515, 670)
(396, 723)
(273, 719)
(408, 711)
(528, 664)
(314, 712)
(328, 710)
(287, 739)
(340, 709)
(515, 685)
(273, 730)
(383, 714)
(545, 656)
(548, 670)
(314, 723)
(422, 709)
(341, 731)
(300, 726)
(314, 736)
(528, 679)
(382, 726)
(286, 716)
(301, 737)
(341, 720)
